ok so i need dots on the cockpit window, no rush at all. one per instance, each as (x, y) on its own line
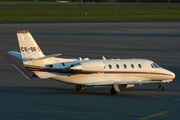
(154, 65)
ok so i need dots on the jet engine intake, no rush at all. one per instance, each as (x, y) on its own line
(89, 66)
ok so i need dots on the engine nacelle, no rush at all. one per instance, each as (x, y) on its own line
(89, 66)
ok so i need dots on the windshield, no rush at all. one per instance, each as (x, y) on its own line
(154, 65)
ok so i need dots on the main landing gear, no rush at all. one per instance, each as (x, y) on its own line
(161, 87)
(80, 87)
(115, 89)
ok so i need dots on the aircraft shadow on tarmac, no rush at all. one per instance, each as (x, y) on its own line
(132, 92)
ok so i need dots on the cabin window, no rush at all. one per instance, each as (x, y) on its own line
(125, 66)
(110, 66)
(139, 65)
(117, 66)
(132, 66)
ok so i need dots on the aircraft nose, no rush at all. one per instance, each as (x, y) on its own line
(170, 74)
(173, 75)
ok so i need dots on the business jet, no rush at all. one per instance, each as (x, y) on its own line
(116, 73)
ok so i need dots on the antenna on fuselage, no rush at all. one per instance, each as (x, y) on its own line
(103, 58)
(80, 58)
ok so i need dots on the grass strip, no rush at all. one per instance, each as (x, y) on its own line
(88, 14)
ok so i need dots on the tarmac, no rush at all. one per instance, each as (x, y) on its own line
(47, 99)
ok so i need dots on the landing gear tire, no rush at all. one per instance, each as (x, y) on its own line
(113, 91)
(80, 88)
(161, 87)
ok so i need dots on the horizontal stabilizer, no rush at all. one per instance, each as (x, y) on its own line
(18, 55)
(15, 54)
(48, 56)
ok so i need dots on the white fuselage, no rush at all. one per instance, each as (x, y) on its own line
(106, 72)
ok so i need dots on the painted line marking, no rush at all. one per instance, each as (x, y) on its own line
(154, 115)
(153, 46)
(157, 97)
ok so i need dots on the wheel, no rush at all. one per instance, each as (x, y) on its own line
(161, 87)
(80, 88)
(113, 92)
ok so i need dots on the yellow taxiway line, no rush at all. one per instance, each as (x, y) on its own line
(154, 115)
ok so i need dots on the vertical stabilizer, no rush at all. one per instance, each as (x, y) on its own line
(28, 47)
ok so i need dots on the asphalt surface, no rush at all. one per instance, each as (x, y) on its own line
(47, 99)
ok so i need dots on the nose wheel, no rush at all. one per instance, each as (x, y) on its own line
(80, 88)
(161, 87)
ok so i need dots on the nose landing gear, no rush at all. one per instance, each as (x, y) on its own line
(80, 87)
(161, 87)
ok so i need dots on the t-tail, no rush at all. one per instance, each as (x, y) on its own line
(28, 47)
(31, 53)
(33, 58)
